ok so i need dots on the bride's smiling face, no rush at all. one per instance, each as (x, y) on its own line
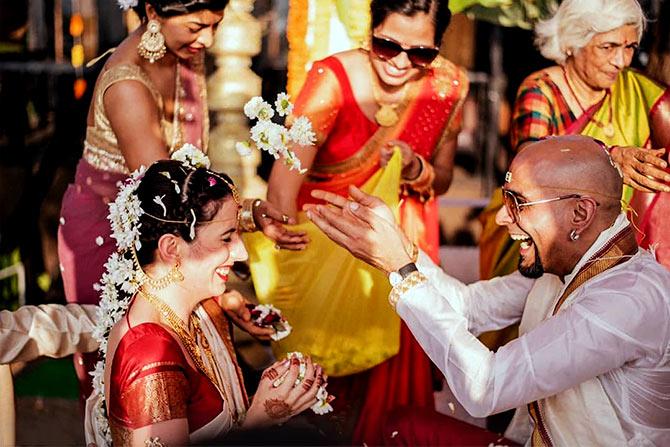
(217, 246)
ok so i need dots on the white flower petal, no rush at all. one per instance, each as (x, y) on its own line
(191, 156)
(243, 148)
(127, 4)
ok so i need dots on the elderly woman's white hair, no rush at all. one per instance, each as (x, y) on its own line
(575, 22)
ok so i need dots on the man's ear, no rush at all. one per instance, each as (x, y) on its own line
(583, 213)
(169, 248)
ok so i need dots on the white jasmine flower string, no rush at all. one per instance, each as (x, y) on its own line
(275, 138)
(191, 157)
(127, 4)
(301, 132)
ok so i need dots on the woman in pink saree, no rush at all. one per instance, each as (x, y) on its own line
(149, 100)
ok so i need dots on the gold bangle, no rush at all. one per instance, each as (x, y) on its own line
(246, 215)
(413, 279)
(423, 183)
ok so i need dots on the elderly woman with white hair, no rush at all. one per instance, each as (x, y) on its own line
(591, 91)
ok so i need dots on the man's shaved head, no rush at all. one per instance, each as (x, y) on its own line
(571, 164)
(560, 194)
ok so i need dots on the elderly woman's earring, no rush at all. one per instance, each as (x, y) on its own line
(574, 235)
(152, 42)
(568, 53)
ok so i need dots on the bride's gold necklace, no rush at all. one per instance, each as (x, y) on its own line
(608, 127)
(184, 334)
(386, 115)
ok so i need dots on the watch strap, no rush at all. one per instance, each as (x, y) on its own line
(407, 269)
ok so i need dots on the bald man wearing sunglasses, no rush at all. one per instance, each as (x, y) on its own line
(592, 363)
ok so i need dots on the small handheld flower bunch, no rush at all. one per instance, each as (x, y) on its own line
(266, 315)
(275, 138)
(323, 399)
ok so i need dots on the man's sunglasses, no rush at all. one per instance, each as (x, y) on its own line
(515, 204)
(388, 49)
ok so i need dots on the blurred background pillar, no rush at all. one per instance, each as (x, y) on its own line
(229, 88)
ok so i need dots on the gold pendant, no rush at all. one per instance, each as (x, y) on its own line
(386, 116)
(608, 130)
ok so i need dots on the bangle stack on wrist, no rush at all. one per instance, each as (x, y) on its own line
(246, 215)
(422, 184)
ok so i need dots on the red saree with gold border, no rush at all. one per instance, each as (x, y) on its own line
(151, 381)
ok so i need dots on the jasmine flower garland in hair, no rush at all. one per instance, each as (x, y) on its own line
(191, 157)
(127, 4)
(275, 138)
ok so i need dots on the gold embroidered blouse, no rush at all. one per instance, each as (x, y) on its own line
(101, 148)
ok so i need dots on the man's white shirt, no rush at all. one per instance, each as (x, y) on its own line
(616, 328)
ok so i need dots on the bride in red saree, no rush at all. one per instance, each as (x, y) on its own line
(365, 105)
(170, 373)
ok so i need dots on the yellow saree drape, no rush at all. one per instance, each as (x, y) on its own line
(365, 331)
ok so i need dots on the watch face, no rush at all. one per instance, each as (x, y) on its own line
(395, 278)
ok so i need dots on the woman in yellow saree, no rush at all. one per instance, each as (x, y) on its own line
(591, 92)
(363, 104)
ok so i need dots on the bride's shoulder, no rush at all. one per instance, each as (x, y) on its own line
(138, 331)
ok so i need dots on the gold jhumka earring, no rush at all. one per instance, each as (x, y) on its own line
(152, 42)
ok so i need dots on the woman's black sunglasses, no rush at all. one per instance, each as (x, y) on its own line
(388, 49)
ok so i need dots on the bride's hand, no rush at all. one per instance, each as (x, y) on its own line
(272, 223)
(235, 306)
(277, 398)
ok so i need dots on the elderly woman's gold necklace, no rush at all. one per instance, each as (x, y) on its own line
(607, 128)
(386, 115)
